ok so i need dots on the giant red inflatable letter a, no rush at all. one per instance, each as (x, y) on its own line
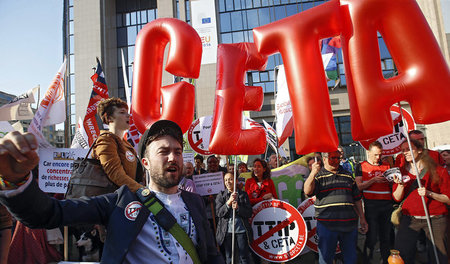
(423, 75)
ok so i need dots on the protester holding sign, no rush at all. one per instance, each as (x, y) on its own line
(377, 193)
(226, 201)
(436, 192)
(260, 186)
(117, 156)
(338, 207)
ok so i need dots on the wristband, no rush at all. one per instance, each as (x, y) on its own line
(7, 184)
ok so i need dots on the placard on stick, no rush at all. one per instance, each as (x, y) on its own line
(209, 183)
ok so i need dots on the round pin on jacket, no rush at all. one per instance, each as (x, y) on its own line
(145, 192)
(132, 210)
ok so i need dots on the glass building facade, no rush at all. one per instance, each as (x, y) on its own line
(129, 21)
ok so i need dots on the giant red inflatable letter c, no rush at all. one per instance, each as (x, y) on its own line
(177, 100)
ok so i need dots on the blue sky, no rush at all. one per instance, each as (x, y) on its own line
(30, 44)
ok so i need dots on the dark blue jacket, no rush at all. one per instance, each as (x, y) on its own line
(224, 213)
(35, 209)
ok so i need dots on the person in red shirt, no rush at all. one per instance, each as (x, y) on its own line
(260, 186)
(378, 203)
(419, 136)
(435, 190)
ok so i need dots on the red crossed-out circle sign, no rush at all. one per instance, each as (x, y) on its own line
(279, 231)
(199, 134)
(307, 210)
(391, 143)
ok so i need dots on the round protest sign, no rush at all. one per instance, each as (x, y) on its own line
(391, 143)
(279, 231)
(307, 210)
(199, 134)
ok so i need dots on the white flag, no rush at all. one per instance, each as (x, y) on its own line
(19, 108)
(52, 109)
(283, 108)
(80, 140)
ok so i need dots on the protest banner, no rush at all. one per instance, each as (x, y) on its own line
(209, 183)
(19, 108)
(288, 180)
(279, 231)
(55, 167)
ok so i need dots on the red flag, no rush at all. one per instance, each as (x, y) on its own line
(133, 134)
(92, 123)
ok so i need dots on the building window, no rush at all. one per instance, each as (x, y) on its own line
(130, 19)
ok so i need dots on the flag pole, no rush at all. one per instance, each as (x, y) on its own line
(419, 185)
(66, 144)
(39, 96)
(234, 212)
(125, 81)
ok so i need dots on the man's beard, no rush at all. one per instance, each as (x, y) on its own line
(165, 181)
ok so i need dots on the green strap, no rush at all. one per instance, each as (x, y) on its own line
(177, 232)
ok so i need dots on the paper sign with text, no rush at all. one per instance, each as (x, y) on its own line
(188, 157)
(209, 183)
(55, 168)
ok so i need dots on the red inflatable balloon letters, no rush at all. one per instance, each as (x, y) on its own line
(423, 79)
(297, 39)
(185, 51)
(232, 97)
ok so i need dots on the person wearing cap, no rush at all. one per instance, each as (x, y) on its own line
(134, 235)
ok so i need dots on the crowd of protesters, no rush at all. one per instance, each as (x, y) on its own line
(350, 197)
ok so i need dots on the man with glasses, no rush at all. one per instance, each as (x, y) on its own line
(338, 208)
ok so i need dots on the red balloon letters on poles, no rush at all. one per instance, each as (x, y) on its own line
(297, 39)
(232, 97)
(184, 57)
(423, 78)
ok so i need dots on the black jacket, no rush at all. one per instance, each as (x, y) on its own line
(244, 211)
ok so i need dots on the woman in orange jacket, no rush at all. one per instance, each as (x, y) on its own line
(117, 156)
